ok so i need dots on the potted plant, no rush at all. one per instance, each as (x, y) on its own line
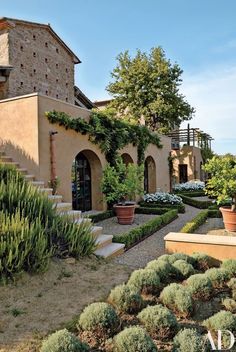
(222, 185)
(120, 185)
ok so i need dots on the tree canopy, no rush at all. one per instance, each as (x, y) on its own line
(147, 86)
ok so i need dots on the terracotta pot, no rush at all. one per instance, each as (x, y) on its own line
(125, 213)
(229, 218)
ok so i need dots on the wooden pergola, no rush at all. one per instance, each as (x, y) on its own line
(190, 136)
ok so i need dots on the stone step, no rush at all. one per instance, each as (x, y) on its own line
(29, 177)
(110, 251)
(47, 191)
(39, 184)
(55, 198)
(22, 170)
(96, 230)
(10, 163)
(5, 158)
(72, 214)
(80, 220)
(63, 207)
(103, 240)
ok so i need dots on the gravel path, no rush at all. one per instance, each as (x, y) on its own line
(111, 226)
(153, 246)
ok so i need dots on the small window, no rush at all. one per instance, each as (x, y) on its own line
(34, 37)
(34, 71)
(57, 65)
(35, 89)
(21, 84)
(34, 54)
(46, 92)
(46, 76)
(46, 60)
(22, 48)
(66, 99)
(57, 96)
(21, 66)
(66, 70)
(57, 50)
(57, 80)
(46, 45)
(66, 84)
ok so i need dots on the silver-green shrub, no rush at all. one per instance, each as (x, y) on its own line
(63, 341)
(188, 340)
(178, 298)
(133, 339)
(183, 269)
(203, 261)
(218, 276)
(229, 304)
(230, 266)
(159, 321)
(125, 299)
(181, 256)
(200, 286)
(99, 318)
(146, 280)
(163, 268)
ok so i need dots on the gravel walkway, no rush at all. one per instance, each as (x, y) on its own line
(153, 246)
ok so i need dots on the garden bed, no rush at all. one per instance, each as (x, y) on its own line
(151, 311)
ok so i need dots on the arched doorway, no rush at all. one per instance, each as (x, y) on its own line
(127, 159)
(86, 178)
(149, 175)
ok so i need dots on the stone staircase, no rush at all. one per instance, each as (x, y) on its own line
(104, 246)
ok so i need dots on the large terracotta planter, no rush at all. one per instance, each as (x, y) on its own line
(229, 218)
(125, 213)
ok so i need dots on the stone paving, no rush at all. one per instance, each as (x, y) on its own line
(153, 246)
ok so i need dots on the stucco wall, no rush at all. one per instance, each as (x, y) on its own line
(191, 156)
(25, 131)
(4, 48)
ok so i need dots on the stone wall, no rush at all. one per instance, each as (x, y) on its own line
(41, 64)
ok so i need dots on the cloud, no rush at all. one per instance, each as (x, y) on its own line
(213, 94)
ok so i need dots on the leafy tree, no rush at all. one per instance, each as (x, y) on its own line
(147, 86)
(222, 183)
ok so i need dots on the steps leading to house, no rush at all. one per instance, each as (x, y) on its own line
(104, 245)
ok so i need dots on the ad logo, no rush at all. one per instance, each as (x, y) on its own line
(219, 346)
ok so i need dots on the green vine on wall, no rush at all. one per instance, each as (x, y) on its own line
(109, 132)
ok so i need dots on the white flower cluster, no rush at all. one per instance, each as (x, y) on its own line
(162, 198)
(189, 186)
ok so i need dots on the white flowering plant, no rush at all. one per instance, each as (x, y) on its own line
(162, 198)
(189, 186)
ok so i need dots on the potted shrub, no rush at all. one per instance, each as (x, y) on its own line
(222, 185)
(121, 184)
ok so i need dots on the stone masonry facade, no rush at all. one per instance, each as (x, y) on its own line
(41, 63)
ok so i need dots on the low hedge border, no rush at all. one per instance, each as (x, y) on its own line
(179, 207)
(140, 210)
(200, 219)
(143, 231)
(200, 204)
(191, 194)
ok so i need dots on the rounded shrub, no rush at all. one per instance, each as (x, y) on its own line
(183, 269)
(99, 318)
(133, 339)
(181, 256)
(229, 304)
(199, 285)
(218, 276)
(164, 257)
(203, 261)
(163, 268)
(230, 266)
(222, 320)
(178, 298)
(232, 284)
(63, 341)
(159, 321)
(188, 340)
(126, 299)
(145, 280)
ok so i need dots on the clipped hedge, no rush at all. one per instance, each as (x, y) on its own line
(179, 207)
(141, 232)
(192, 225)
(191, 194)
(200, 204)
(151, 210)
(102, 216)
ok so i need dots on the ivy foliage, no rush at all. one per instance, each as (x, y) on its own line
(109, 132)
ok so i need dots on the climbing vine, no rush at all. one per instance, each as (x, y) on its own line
(109, 132)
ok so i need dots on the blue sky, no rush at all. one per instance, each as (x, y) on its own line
(200, 35)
